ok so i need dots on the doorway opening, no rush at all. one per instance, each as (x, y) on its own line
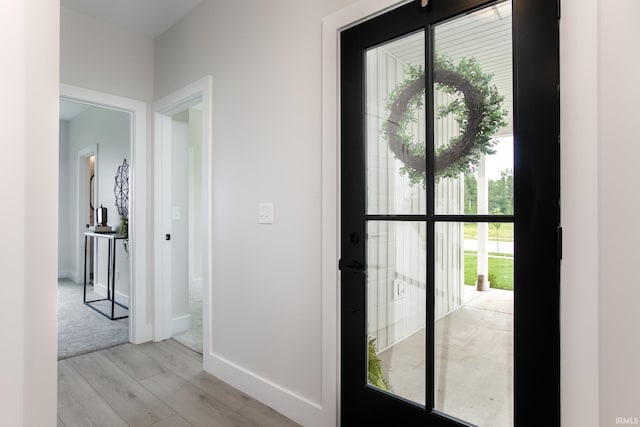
(186, 226)
(93, 142)
(183, 217)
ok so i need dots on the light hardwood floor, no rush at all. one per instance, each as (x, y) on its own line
(154, 384)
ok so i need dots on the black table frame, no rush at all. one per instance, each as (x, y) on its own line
(111, 270)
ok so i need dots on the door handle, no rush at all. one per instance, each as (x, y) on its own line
(353, 267)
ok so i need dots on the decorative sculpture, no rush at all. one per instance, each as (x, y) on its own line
(121, 191)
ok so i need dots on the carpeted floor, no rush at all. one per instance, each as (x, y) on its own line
(81, 329)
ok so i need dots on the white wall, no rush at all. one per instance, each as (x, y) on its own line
(618, 208)
(579, 34)
(66, 244)
(266, 66)
(96, 55)
(110, 131)
(28, 182)
(12, 184)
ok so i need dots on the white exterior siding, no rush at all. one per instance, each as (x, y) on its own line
(396, 252)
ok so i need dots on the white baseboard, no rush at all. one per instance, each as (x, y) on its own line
(180, 324)
(101, 290)
(71, 275)
(76, 278)
(64, 274)
(143, 334)
(288, 403)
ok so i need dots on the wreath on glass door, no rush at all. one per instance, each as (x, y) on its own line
(478, 112)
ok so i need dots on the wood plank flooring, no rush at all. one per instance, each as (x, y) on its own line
(153, 384)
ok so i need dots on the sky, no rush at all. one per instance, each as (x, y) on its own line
(503, 159)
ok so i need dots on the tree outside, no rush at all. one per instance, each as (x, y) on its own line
(500, 194)
(500, 203)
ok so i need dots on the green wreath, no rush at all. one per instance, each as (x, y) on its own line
(478, 112)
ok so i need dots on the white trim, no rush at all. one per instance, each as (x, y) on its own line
(121, 298)
(298, 408)
(197, 92)
(180, 324)
(67, 274)
(139, 330)
(188, 96)
(332, 25)
(81, 205)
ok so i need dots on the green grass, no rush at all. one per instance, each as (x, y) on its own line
(505, 232)
(500, 268)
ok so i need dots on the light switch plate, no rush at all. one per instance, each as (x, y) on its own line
(265, 213)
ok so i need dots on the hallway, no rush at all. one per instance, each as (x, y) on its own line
(160, 384)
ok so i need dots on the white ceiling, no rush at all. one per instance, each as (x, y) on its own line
(146, 17)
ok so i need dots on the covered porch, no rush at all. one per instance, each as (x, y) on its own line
(474, 360)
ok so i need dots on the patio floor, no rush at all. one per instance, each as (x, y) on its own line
(474, 361)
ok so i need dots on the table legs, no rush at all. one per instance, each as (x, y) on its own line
(111, 281)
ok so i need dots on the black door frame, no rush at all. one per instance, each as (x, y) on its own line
(536, 124)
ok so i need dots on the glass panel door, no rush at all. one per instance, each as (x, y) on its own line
(474, 350)
(449, 200)
(396, 250)
(396, 126)
(473, 175)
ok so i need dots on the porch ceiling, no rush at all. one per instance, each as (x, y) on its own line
(485, 36)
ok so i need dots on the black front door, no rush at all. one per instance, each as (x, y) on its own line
(450, 215)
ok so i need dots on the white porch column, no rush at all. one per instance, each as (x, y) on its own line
(483, 227)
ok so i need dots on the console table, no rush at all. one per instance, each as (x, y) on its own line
(111, 270)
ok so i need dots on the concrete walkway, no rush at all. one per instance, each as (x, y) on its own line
(474, 361)
(503, 247)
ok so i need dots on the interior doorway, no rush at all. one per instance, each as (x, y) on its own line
(183, 217)
(93, 142)
(140, 326)
(186, 226)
